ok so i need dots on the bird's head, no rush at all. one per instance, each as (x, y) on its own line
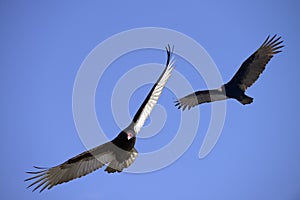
(130, 135)
(130, 132)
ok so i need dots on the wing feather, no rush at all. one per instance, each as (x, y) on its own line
(75, 167)
(118, 165)
(153, 96)
(116, 158)
(251, 68)
(199, 97)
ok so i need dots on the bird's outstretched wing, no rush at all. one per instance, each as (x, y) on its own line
(83, 164)
(251, 68)
(154, 94)
(204, 96)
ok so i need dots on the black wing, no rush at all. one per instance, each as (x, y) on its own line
(82, 165)
(199, 97)
(251, 68)
(154, 94)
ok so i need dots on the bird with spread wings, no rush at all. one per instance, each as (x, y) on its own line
(116, 154)
(247, 74)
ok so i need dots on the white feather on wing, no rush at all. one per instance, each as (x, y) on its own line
(159, 86)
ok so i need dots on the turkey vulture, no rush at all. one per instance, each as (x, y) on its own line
(247, 74)
(116, 154)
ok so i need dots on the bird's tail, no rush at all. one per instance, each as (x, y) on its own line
(245, 100)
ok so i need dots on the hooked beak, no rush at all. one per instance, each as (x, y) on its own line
(129, 136)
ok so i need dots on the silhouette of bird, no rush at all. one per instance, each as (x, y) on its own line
(247, 74)
(116, 154)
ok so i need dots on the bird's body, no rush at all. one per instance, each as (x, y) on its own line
(233, 91)
(116, 154)
(247, 74)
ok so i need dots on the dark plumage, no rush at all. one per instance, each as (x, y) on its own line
(247, 74)
(116, 154)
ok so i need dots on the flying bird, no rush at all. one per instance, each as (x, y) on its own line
(246, 75)
(116, 154)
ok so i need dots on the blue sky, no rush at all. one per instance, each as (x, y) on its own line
(44, 44)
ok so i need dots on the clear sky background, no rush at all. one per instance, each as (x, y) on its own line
(43, 45)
